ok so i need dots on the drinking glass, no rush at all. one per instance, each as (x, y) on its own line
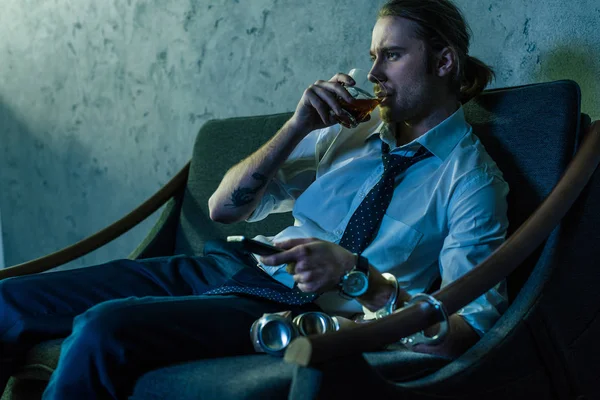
(367, 97)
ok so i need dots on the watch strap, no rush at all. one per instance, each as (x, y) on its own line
(362, 264)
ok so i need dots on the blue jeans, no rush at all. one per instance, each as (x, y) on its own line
(126, 317)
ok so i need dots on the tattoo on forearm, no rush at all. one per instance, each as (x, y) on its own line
(243, 196)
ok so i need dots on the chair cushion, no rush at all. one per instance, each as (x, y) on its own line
(30, 380)
(231, 377)
(24, 389)
(41, 361)
(253, 376)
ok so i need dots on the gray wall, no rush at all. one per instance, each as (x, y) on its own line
(100, 101)
(1, 245)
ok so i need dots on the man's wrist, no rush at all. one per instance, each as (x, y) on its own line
(379, 292)
(297, 129)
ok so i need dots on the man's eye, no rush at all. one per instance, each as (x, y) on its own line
(392, 55)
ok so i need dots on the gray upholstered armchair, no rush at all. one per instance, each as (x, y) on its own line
(545, 345)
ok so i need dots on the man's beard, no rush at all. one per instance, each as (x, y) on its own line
(386, 114)
(412, 107)
(394, 113)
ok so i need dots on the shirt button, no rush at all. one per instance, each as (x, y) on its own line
(338, 232)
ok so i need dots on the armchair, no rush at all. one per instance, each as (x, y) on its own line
(544, 346)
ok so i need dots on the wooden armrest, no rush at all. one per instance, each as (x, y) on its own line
(104, 236)
(314, 350)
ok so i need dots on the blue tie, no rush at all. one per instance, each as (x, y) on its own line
(292, 296)
(360, 231)
(364, 224)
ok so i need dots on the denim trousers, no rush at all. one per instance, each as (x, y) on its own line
(126, 317)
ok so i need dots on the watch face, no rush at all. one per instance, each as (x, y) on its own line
(355, 284)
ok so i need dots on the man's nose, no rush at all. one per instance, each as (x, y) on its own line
(375, 75)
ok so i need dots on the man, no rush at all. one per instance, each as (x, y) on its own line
(446, 213)
(454, 202)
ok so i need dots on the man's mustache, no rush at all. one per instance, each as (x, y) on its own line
(380, 92)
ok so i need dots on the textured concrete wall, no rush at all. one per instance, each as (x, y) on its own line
(100, 101)
(530, 41)
(1, 245)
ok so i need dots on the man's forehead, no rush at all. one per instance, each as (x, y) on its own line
(392, 32)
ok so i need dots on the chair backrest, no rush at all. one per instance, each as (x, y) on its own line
(528, 130)
(220, 144)
(531, 132)
(568, 309)
(546, 343)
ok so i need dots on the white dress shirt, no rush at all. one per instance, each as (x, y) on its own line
(447, 214)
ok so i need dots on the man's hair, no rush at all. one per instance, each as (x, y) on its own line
(441, 24)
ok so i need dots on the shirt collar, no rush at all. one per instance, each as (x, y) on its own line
(440, 140)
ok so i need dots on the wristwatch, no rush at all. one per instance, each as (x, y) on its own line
(356, 281)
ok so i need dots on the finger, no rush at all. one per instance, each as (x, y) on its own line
(311, 273)
(297, 253)
(289, 243)
(304, 277)
(321, 107)
(307, 287)
(318, 277)
(337, 89)
(343, 78)
(330, 98)
(345, 121)
(291, 267)
(286, 257)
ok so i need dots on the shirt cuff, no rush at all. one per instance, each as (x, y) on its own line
(481, 315)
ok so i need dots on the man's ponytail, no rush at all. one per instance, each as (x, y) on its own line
(475, 77)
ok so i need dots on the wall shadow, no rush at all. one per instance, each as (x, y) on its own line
(579, 63)
(46, 191)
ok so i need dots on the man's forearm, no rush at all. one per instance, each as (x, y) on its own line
(244, 184)
(460, 334)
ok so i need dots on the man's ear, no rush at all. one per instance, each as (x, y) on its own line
(446, 62)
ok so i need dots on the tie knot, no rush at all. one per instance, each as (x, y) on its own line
(393, 163)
